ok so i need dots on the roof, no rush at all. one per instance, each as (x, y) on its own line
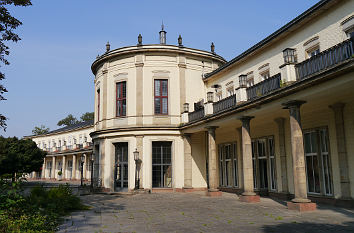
(68, 128)
(272, 36)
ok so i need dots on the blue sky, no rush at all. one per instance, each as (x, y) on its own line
(49, 76)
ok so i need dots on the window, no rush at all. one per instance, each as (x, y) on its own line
(313, 51)
(218, 95)
(318, 164)
(98, 104)
(161, 165)
(264, 169)
(161, 96)
(265, 75)
(121, 101)
(230, 91)
(228, 165)
(250, 82)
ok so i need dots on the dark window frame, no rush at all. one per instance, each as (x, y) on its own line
(120, 100)
(160, 97)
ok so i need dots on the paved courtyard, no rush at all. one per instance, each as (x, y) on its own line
(182, 212)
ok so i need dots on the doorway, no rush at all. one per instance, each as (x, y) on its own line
(161, 165)
(121, 167)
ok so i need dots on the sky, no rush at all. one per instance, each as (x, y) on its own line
(50, 77)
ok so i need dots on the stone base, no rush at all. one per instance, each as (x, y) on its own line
(213, 193)
(309, 206)
(250, 199)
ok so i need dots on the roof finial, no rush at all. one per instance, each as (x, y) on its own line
(180, 41)
(162, 34)
(212, 47)
(140, 40)
(108, 47)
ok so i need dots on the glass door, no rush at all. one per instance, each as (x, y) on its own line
(121, 167)
(161, 165)
(70, 169)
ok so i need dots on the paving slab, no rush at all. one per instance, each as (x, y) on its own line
(191, 212)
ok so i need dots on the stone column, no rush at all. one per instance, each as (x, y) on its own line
(300, 202)
(64, 167)
(84, 173)
(73, 172)
(240, 158)
(43, 169)
(281, 135)
(187, 141)
(139, 147)
(342, 149)
(212, 163)
(53, 167)
(248, 185)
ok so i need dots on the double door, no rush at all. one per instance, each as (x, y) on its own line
(121, 167)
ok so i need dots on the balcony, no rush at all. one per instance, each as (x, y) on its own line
(264, 87)
(196, 115)
(224, 104)
(326, 59)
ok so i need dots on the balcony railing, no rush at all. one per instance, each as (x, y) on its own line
(196, 115)
(224, 104)
(325, 59)
(264, 87)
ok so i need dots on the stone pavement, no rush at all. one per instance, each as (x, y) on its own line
(192, 212)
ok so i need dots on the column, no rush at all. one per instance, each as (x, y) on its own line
(64, 167)
(43, 169)
(300, 202)
(73, 176)
(240, 158)
(342, 149)
(247, 164)
(283, 164)
(187, 142)
(53, 167)
(139, 147)
(84, 167)
(212, 163)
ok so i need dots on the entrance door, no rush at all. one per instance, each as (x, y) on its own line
(121, 167)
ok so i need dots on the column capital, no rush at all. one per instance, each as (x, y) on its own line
(337, 106)
(293, 103)
(211, 128)
(245, 118)
(186, 135)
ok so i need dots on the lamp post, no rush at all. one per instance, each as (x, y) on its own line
(82, 167)
(137, 179)
(92, 161)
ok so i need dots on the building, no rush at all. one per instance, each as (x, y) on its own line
(68, 149)
(276, 120)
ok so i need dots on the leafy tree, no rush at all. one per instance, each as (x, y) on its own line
(88, 116)
(67, 121)
(7, 24)
(19, 156)
(40, 130)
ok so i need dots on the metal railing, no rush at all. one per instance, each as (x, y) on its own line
(264, 87)
(224, 104)
(326, 59)
(196, 115)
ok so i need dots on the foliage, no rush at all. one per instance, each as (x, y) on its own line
(19, 156)
(40, 130)
(67, 121)
(41, 211)
(7, 24)
(88, 116)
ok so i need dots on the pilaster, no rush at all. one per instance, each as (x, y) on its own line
(187, 142)
(139, 64)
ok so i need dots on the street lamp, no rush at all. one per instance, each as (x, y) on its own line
(137, 179)
(92, 161)
(82, 167)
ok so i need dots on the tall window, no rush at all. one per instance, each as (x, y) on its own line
(228, 165)
(161, 165)
(98, 104)
(318, 164)
(161, 96)
(121, 104)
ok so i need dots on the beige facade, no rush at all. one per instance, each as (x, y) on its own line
(276, 120)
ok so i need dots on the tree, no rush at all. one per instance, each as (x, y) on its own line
(7, 25)
(88, 116)
(67, 121)
(40, 130)
(19, 156)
